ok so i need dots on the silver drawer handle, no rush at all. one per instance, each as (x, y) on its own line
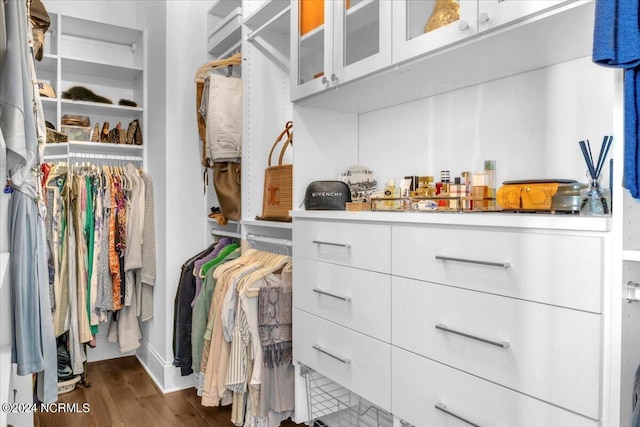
(321, 350)
(442, 407)
(474, 261)
(342, 245)
(329, 294)
(445, 328)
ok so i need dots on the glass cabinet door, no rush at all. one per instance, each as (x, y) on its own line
(362, 41)
(422, 26)
(493, 13)
(311, 61)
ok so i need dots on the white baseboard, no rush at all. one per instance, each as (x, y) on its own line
(166, 376)
(104, 349)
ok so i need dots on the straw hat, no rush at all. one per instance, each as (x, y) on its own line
(46, 90)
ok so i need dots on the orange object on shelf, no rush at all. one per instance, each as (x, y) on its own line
(311, 15)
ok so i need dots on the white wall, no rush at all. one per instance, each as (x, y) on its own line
(529, 123)
(177, 50)
(115, 12)
(152, 16)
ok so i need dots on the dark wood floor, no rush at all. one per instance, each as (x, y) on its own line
(123, 394)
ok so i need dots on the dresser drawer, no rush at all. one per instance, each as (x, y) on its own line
(366, 246)
(558, 269)
(547, 352)
(419, 384)
(357, 299)
(355, 361)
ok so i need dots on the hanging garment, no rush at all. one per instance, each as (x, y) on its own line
(183, 314)
(204, 260)
(57, 246)
(201, 310)
(203, 111)
(616, 43)
(78, 204)
(148, 269)
(76, 351)
(104, 297)
(135, 225)
(224, 118)
(34, 347)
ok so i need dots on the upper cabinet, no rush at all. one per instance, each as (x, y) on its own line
(421, 26)
(494, 13)
(434, 44)
(334, 42)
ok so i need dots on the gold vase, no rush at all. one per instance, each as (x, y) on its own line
(444, 13)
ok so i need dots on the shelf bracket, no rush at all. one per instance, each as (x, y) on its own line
(633, 292)
(134, 46)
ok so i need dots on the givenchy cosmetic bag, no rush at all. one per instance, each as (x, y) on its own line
(327, 195)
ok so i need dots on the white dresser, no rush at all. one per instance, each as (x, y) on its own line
(440, 319)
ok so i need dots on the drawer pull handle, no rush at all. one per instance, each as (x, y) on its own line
(341, 359)
(342, 245)
(445, 328)
(474, 261)
(442, 407)
(329, 294)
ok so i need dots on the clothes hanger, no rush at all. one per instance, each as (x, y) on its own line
(250, 287)
(247, 257)
(203, 71)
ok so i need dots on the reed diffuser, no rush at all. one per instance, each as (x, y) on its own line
(595, 200)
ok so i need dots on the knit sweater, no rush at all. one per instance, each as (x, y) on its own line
(148, 271)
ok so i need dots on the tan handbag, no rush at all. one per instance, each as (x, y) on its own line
(277, 198)
(226, 181)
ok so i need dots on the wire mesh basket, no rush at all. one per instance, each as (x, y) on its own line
(332, 405)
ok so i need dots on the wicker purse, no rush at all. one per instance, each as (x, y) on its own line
(277, 198)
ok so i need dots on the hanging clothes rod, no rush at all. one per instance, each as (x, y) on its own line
(55, 156)
(223, 233)
(269, 240)
(100, 156)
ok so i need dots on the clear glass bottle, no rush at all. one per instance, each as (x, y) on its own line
(595, 200)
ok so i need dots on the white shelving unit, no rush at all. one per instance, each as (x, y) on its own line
(224, 24)
(111, 61)
(263, 37)
(273, 15)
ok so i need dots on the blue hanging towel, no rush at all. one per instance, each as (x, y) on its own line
(616, 43)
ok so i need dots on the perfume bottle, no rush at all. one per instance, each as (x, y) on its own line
(390, 192)
(490, 173)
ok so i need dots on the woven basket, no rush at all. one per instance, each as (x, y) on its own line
(277, 199)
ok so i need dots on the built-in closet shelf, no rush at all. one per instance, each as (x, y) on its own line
(363, 13)
(631, 255)
(222, 8)
(97, 150)
(100, 32)
(313, 39)
(480, 58)
(48, 102)
(230, 229)
(225, 33)
(99, 69)
(476, 219)
(274, 15)
(266, 224)
(49, 63)
(90, 108)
